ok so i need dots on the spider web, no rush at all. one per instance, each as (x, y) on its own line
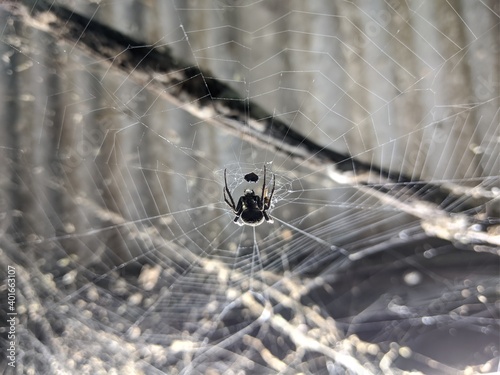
(379, 121)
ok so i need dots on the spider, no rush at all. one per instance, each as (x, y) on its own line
(251, 209)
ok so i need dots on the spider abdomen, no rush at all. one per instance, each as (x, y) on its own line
(252, 217)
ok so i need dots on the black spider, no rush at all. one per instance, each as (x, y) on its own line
(251, 208)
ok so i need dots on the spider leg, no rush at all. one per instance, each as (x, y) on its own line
(268, 218)
(226, 190)
(262, 204)
(238, 211)
(229, 203)
(267, 202)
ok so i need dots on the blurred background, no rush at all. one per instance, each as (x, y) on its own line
(377, 119)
